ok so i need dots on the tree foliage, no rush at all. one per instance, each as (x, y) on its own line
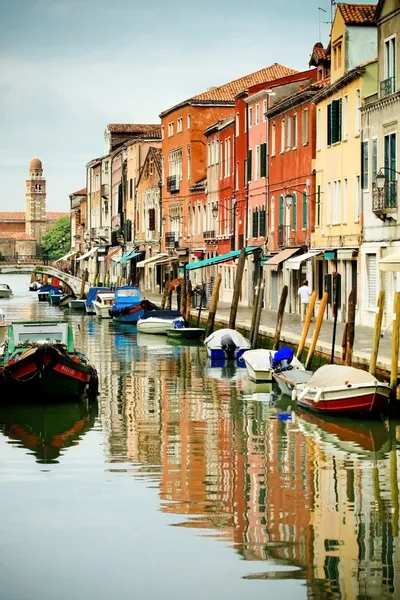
(57, 240)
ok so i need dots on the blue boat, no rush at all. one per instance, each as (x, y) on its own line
(93, 291)
(43, 292)
(129, 305)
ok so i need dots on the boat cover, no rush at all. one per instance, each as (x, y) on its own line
(93, 293)
(215, 340)
(340, 375)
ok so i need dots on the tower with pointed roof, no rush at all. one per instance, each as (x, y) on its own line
(35, 195)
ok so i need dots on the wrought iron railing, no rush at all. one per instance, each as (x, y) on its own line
(388, 86)
(384, 200)
(171, 240)
(209, 235)
(172, 184)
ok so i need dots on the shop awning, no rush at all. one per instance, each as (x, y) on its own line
(154, 259)
(89, 253)
(346, 253)
(132, 253)
(279, 258)
(295, 263)
(67, 256)
(219, 259)
(391, 262)
(113, 252)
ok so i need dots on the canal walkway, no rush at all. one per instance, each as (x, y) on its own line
(292, 328)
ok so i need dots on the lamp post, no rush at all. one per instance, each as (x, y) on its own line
(233, 210)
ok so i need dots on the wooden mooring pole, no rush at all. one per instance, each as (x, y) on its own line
(237, 289)
(258, 315)
(350, 332)
(165, 292)
(279, 321)
(377, 332)
(254, 311)
(395, 342)
(317, 329)
(189, 296)
(213, 305)
(85, 277)
(306, 325)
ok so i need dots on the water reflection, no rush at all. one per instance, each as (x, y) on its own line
(46, 431)
(280, 484)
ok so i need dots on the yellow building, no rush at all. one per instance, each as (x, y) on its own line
(338, 152)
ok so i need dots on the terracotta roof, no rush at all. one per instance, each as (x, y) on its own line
(157, 153)
(36, 163)
(357, 14)
(53, 216)
(134, 129)
(228, 91)
(81, 192)
(12, 216)
(16, 235)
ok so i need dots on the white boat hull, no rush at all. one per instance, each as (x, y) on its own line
(258, 364)
(77, 304)
(155, 325)
(5, 293)
(101, 311)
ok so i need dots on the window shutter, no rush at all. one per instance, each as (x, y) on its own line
(393, 157)
(263, 160)
(339, 120)
(294, 212)
(334, 119)
(305, 216)
(319, 205)
(128, 230)
(152, 219)
(120, 198)
(281, 206)
(249, 165)
(262, 222)
(255, 223)
(329, 121)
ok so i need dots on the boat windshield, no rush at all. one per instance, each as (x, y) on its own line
(128, 294)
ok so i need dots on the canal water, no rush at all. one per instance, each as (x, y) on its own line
(185, 480)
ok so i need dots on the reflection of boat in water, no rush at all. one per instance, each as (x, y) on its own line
(367, 439)
(154, 343)
(48, 429)
(226, 369)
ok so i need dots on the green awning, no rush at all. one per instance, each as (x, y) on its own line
(129, 255)
(219, 259)
(264, 260)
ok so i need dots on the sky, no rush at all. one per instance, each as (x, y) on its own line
(70, 67)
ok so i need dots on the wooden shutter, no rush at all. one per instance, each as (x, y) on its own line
(262, 222)
(294, 212)
(329, 122)
(263, 160)
(319, 205)
(393, 157)
(339, 119)
(305, 216)
(281, 208)
(334, 120)
(255, 223)
(371, 274)
(249, 165)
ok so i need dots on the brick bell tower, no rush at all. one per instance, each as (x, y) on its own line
(35, 195)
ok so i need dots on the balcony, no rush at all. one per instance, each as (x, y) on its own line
(173, 184)
(209, 235)
(102, 233)
(104, 190)
(384, 201)
(172, 239)
(388, 86)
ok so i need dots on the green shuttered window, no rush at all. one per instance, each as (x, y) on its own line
(263, 160)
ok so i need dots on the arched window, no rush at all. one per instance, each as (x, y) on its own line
(305, 210)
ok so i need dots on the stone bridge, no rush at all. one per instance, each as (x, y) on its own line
(42, 268)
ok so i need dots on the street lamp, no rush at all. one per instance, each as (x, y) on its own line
(380, 178)
(289, 198)
(215, 209)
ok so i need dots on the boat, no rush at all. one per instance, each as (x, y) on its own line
(92, 293)
(129, 306)
(34, 286)
(102, 304)
(47, 430)
(5, 290)
(259, 364)
(43, 292)
(41, 364)
(158, 324)
(77, 303)
(226, 344)
(55, 296)
(337, 389)
(186, 333)
(65, 300)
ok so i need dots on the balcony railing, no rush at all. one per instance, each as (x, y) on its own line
(384, 201)
(172, 240)
(173, 184)
(209, 235)
(388, 86)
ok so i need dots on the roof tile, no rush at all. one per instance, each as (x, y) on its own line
(357, 14)
(16, 235)
(135, 129)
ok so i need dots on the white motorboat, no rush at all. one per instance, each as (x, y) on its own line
(259, 364)
(77, 304)
(5, 290)
(226, 344)
(157, 325)
(337, 389)
(102, 304)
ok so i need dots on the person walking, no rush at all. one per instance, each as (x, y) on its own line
(304, 294)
